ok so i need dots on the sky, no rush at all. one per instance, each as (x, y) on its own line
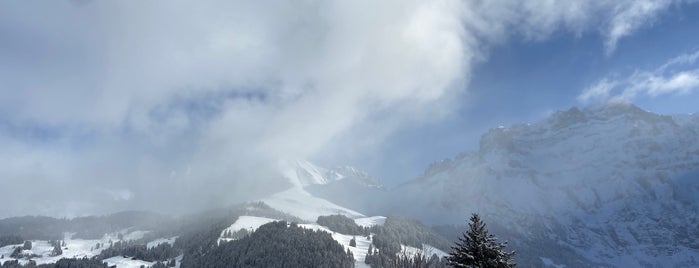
(109, 105)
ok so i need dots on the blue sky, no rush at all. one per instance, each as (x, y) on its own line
(525, 80)
(212, 101)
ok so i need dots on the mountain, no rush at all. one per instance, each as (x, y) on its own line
(604, 186)
(303, 173)
(298, 201)
(609, 185)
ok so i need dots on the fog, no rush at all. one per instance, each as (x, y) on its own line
(179, 106)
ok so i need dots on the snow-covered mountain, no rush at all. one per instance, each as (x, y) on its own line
(607, 185)
(298, 201)
(303, 173)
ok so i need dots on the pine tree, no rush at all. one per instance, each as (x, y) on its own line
(27, 245)
(56, 250)
(479, 249)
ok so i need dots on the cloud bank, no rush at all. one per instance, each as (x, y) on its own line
(112, 105)
(679, 75)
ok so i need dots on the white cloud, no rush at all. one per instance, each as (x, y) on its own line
(228, 89)
(600, 90)
(628, 16)
(678, 75)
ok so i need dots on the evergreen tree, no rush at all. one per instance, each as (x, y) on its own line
(16, 253)
(353, 242)
(56, 250)
(479, 249)
(27, 245)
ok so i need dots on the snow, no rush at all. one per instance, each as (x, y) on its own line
(426, 251)
(122, 262)
(159, 241)
(133, 235)
(616, 184)
(296, 201)
(74, 248)
(250, 223)
(302, 173)
(370, 221)
(359, 252)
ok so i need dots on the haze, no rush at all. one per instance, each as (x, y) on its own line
(176, 106)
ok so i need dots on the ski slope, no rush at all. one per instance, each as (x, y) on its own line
(297, 202)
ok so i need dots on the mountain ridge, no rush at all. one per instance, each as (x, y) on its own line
(607, 185)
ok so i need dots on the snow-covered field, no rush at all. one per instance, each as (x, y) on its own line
(122, 262)
(74, 248)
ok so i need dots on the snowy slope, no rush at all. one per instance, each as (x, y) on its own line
(297, 202)
(74, 248)
(303, 173)
(249, 223)
(607, 185)
(121, 262)
(426, 250)
(156, 242)
(370, 221)
(359, 252)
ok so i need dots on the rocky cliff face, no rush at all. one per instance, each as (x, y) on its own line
(607, 185)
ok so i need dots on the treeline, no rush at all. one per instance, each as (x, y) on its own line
(388, 239)
(6, 240)
(404, 260)
(342, 224)
(409, 232)
(398, 231)
(62, 263)
(276, 244)
(93, 227)
(161, 252)
(235, 234)
(199, 233)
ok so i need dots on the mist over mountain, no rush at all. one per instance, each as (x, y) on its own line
(233, 133)
(609, 185)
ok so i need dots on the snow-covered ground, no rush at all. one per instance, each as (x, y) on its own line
(122, 262)
(249, 223)
(359, 252)
(74, 248)
(159, 241)
(370, 221)
(426, 251)
(296, 201)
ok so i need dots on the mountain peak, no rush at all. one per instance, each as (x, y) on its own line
(304, 173)
(616, 108)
